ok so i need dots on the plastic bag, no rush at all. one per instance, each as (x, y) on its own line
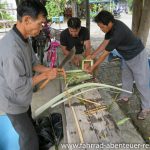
(49, 130)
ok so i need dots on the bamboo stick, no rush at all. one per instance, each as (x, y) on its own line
(57, 103)
(93, 112)
(86, 100)
(78, 126)
(62, 95)
(94, 109)
(44, 84)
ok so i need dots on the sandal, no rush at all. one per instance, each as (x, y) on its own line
(143, 114)
(123, 100)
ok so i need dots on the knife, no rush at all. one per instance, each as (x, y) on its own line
(65, 60)
(68, 57)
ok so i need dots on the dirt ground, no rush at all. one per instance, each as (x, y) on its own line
(110, 73)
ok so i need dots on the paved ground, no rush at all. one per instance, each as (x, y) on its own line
(96, 34)
(110, 73)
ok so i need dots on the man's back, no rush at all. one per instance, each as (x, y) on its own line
(122, 39)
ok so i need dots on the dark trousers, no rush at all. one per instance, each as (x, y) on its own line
(23, 124)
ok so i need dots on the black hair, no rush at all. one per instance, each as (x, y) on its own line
(104, 17)
(74, 23)
(31, 8)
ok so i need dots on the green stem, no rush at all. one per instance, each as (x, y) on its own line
(65, 93)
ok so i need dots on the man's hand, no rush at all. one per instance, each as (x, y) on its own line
(77, 60)
(89, 70)
(91, 56)
(46, 75)
(86, 66)
(62, 72)
(51, 74)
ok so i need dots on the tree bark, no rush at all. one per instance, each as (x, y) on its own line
(74, 8)
(141, 19)
(18, 2)
(87, 15)
(145, 22)
(136, 17)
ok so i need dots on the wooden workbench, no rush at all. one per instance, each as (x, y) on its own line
(100, 127)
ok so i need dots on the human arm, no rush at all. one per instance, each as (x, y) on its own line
(44, 72)
(79, 57)
(64, 50)
(100, 48)
(40, 68)
(87, 45)
(18, 79)
(50, 75)
(64, 42)
(99, 61)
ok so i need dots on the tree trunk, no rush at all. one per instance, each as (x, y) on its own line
(136, 17)
(17, 2)
(141, 19)
(74, 8)
(87, 15)
(145, 22)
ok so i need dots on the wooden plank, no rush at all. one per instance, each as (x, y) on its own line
(86, 127)
(72, 133)
(89, 135)
(84, 121)
(104, 129)
(104, 126)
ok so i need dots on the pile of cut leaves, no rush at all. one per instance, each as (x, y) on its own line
(74, 77)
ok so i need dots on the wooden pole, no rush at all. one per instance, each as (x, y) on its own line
(87, 15)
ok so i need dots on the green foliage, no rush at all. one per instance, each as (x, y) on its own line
(95, 8)
(130, 3)
(3, 13)
(80, 1)
(55, 8)
(93, 14)
(122, 121)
